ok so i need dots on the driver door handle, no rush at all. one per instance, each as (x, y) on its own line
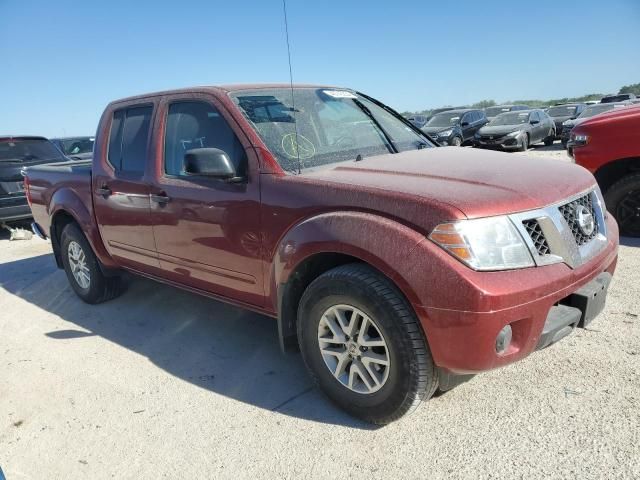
(160, 199)
(103, 191)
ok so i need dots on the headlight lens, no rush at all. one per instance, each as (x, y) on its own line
(446, 133)
(514, 134)
(580, 140)
(491, 243)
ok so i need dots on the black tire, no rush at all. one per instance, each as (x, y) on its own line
(525, 143)
(412, 375)
(456, 142)
(623, 201)
(101, 288)
(550, 139)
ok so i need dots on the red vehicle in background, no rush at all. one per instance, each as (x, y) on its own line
(608, 145)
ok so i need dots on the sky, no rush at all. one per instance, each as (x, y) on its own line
(63, 61)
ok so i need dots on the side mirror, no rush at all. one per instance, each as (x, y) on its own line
(209, 162)
(464, 124)
(534, 122)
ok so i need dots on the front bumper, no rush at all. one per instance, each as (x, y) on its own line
(502, 143)
(464, 341)
(14, 207)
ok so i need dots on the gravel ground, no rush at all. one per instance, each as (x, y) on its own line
(160, 383)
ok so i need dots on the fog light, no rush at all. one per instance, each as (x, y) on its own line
(503, 340)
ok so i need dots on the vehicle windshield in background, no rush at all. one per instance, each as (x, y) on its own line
(493, 111)
(445, 119)
(76, 146)
(25, 150)
(510, 118)
(327, 126)
(596, 109)
(561, 111)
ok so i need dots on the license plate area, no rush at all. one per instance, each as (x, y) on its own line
(590, 298)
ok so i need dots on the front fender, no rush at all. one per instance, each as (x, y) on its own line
(384, 244)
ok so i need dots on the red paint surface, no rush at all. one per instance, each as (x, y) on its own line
(613, 135)
(239, 242)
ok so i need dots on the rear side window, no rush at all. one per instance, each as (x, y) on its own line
(128, 141)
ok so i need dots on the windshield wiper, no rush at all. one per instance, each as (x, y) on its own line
(392, 148)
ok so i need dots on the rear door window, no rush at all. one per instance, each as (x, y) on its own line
(129, 139)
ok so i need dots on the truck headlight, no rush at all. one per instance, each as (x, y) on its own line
(491, 243)
(580, 140)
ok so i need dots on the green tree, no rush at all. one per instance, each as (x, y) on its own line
(633, 88)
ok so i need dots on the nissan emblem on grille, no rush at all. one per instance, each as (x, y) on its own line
(585, 220)
(580, 217)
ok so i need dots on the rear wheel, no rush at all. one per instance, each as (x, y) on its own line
(548, 141)
(82, 268)
(363, 345)
(623, 200)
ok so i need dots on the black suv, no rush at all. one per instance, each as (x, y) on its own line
(562, 112)
(455, 127)
(76, 148)
(16, 153)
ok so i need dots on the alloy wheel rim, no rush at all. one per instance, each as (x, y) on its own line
(353, 349)
(78, 264)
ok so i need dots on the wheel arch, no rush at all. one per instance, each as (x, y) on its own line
(613, 171)
(66, 207)
(329, 240)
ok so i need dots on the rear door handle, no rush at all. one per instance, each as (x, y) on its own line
(160, 199)
(103, 191)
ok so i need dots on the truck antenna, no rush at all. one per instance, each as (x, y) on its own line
(293, 102)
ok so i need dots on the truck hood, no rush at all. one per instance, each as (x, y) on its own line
(476, 182)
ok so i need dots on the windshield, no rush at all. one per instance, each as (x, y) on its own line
(493, 111)
(446, 119)
(596, 109)
(76, 146)
(28, 150)
(562, 111)
(326, 126)
(510, 118)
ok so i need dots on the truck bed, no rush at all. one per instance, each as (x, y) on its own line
(71, 180)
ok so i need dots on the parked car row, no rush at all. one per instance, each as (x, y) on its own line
(17, 152)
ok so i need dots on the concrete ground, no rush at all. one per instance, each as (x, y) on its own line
(161, 383)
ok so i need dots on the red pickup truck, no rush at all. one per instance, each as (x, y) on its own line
(396, 267)
(608, 145)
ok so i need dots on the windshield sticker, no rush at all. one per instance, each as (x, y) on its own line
(302, 148)
(339, 94)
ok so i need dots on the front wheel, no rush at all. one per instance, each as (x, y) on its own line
(623, 200)
(363, 345)
(524, 143)
(82, 268)
(548, 141)
(456, 142)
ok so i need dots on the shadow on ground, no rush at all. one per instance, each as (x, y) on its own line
(224, 349)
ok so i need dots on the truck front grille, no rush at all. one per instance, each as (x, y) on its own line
(537, 237)
(570, 213)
